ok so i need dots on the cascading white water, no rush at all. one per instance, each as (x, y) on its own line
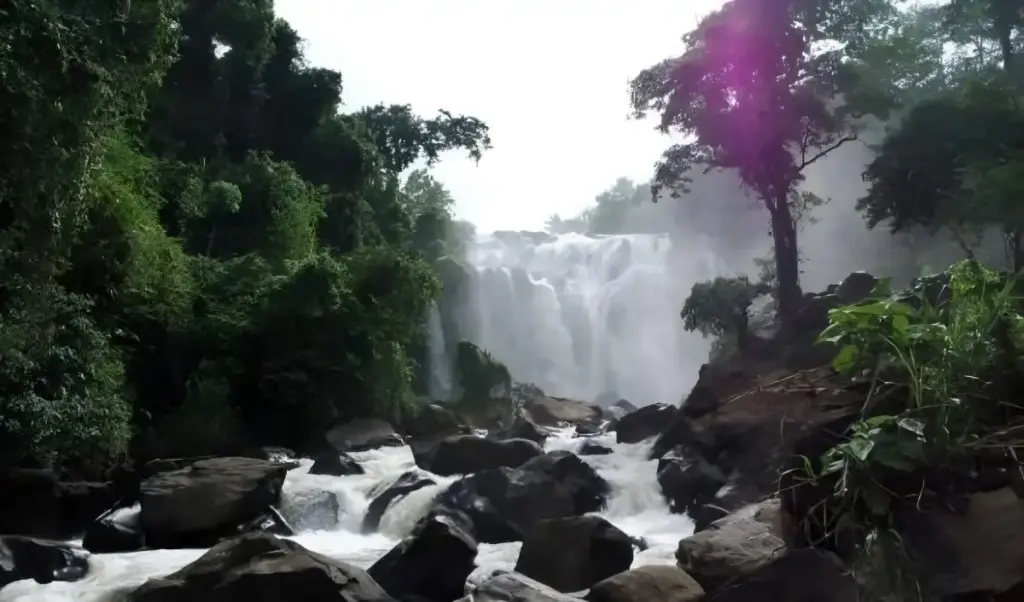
(635, 506)
(440, 383)
(585, 317)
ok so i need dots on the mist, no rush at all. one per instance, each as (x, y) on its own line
(594, 315)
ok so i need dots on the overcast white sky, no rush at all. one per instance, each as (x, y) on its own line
(548, 76)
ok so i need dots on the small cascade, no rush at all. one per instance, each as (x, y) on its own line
(328, 513)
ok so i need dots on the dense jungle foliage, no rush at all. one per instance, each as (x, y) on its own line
(199, 249)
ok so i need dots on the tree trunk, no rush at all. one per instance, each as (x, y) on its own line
(787, 259)
(1014, 247)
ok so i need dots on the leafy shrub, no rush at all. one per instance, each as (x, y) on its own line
(940, 375)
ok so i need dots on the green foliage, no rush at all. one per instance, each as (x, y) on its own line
(198, 249)
(942, 373)
(950, 163)
(718, 309)
(715, 308)
(609, 213)
(478, 376)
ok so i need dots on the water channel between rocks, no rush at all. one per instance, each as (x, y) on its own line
(636, 506)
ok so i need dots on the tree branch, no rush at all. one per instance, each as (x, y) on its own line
(842, 141)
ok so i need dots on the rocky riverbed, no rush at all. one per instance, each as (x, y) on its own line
(569, 501)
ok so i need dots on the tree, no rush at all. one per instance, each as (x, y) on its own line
(757, 96)
(199, 251)
(953, 164)
(719, 308)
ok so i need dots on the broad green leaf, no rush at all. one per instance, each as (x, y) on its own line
(859, 447)
(846, 358)
(913, 425)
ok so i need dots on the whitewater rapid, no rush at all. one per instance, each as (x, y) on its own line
(635, 505)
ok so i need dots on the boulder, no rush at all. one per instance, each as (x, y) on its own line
(363, 434)
(314, 511)
(855, 288)
(688, 485)
(335, 464)
(794, 576)
(727, 552)
(40, 560)
(587, 429)
(432, 563)
(571, 554)
(433, 421)
(625, 405)
(552, 411)
(505, 586)
(36, 504)
(647, 584)
(590, 448)
(110, 534)
(259, 567)
(504, 503)
(974, 551)
(211, 499)
(405, 484)
(646, 422)
(524, 428)
(468, 454)
(763, 412)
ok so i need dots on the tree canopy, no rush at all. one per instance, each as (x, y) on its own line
(200, 249)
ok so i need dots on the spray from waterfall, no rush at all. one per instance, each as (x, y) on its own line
(585, 317)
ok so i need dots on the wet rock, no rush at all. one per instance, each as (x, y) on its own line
(504, 503)
(704, 516)
(467, 454)
(794, 576)
(33, 502)
(551, 411)
(974, 551)
(273, 454)
(588, 429)
(431, 564)
(590, 448)
(262, 568)
(524, 428)
(405, 484)
(434, 421)
(650, 583)
(648, 421)
(317, 511)
(39, 560)
(335, 464)
(572, 554)
(211, 499)
(728, 551)
(855, 288)
(625, 405)
(512, 587)
(688, 485)
(111, 534)
(363, 434)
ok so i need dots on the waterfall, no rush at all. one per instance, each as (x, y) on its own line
(587, 317)
(439, 364)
